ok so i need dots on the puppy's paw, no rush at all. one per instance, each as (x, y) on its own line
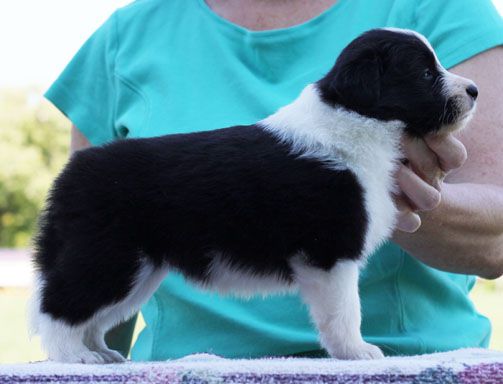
(360, 351)
(111, 356)
(91, 358)
(81, 357)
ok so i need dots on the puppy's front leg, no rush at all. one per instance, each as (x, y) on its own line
(332, 297)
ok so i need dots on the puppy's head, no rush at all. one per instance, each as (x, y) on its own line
(393, 74)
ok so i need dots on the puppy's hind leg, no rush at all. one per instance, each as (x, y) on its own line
(61, 340)
(64, 342)
(94, 339)
(334, 304)
(84, 294)
(147, 280)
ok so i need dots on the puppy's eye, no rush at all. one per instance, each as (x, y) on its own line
(428, 74)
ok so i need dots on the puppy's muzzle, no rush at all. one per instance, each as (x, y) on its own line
(461, 95)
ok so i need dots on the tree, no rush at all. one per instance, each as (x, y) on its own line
(33, 148)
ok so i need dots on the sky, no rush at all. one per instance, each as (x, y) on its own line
(38, 37)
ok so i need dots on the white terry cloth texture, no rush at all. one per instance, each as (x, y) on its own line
(461, 366)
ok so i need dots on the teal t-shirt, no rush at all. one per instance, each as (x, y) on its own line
(170, 66)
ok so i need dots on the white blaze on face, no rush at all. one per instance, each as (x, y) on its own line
(453, 86)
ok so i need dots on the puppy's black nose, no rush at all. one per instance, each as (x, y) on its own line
(472, 91)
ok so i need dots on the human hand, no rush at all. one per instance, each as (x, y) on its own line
(420, 177)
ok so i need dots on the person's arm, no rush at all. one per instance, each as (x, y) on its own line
(78, 140)
(464, 231)
(118, 338)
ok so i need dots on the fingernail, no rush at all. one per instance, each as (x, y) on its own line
(409, 222)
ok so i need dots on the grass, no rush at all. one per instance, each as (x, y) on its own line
(15, 346)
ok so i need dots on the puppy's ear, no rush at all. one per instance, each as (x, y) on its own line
(354, 82)
(358, 83)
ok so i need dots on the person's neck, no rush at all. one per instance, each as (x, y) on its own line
(261, 15)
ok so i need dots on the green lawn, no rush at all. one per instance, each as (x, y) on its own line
(15, 346)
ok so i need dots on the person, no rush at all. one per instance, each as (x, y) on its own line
(174, 66)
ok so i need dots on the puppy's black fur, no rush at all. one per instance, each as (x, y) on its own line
(390, 76)
(177, 199)
(240, 193)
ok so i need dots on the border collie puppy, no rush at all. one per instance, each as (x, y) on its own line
(297, 201)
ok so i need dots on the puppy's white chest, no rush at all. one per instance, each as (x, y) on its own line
(377, 182)
(343, 139)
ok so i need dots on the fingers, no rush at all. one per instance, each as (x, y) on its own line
(451, 152)
(428, 161)
(407, 220)
(416, 195)
(423, 161)
(421, 195)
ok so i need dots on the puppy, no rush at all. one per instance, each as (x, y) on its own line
(297, 201)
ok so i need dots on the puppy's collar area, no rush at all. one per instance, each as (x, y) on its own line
(310, 123)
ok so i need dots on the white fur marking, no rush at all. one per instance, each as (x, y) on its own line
(226, 279)
(343, 139)
(84, 343)
(334, 304)
(453, 86)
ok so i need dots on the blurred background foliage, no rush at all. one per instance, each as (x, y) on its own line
(34, 141)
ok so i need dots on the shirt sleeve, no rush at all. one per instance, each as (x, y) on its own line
(86, 90)
(459, 29)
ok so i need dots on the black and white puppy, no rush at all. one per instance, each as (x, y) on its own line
(296, 201)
